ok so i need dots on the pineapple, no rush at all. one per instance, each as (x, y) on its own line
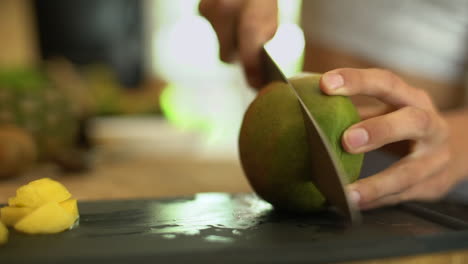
(30, 102)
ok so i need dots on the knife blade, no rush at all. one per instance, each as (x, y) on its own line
(327, 176)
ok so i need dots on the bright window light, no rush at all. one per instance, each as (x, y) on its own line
(204, 94)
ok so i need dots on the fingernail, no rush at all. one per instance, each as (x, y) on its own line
(333, 81)
(354, 196)
(357, 137)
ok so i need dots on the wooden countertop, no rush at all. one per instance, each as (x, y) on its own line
(140, 178)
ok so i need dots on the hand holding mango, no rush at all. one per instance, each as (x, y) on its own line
(429, 170)
(41, 207)
(437, 159)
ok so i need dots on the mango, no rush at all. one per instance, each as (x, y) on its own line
(48, 219)
(38, 193)
(71, 206)
(41, 207)
(11, 215)
(273, 146)
(3, 234)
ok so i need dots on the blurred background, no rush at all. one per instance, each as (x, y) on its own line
(138, 62)
(134, 86)
(127, 98)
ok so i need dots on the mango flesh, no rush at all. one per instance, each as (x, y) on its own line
(39, 192)
(71, 206)
(41, 207)
(273, 146)
(11, 215)
(48, 219)
(3, 234)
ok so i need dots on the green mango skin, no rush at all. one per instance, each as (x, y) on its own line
(273, 146)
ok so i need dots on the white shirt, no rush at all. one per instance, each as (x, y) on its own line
(428, 38)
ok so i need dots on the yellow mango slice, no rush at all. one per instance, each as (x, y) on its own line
(3, 234)
(11, 215)
(39, 192)
(71, 206)
(48, 219)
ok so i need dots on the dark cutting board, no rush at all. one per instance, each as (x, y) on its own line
(224, 228)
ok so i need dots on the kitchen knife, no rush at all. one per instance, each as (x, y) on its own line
(327, 175)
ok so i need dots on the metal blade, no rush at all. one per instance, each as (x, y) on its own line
(327, 174)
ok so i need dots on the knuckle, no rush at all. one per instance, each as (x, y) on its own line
(388, 81)
(422, 120)
(443, 185)
(423, 97)
(405, 196)
(215, 8)
(391, 82)
(271, 29)
(388, 76)
(406, 180)
(206, 6)
(443, 130)
(437, 189)
(385, 74)
(227, 7)
(410, 173)
(445, 156)
(370, 190)
(383, 132)
(249, 27)
(257, 28)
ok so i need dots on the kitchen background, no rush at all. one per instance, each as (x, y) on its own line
(143, 61)
(138, 94)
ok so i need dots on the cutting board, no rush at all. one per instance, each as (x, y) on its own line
(238, 228)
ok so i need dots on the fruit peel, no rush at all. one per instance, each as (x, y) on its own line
(273, 142)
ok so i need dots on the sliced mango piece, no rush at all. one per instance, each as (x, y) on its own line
(38, 193)
(3, 234)
(48, 219)
(71, 206)
(11, 215)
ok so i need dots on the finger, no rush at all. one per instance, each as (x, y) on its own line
(400, 176)
(432, 189)
(403, 124)
(378, 83)
(258, 24)
(223, 16)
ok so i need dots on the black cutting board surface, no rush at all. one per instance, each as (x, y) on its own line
(226, 228)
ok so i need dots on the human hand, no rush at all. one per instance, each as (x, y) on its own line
(242, 27)
(424, 173)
